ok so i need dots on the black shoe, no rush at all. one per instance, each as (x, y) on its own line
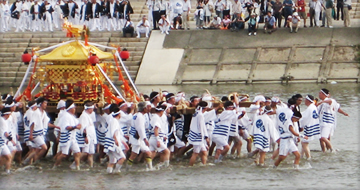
(322, 25)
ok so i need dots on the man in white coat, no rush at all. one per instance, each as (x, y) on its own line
(87, 131)
(137, 136)
(198, 136)
(143, 27)
(68, 126)
(164, 25)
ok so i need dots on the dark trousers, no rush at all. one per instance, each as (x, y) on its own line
(252, 28)
(226, 13)
(287, 12)
(156, 18)
(339, 7)
(237, 25)
(278, 17)
(129, 30)
(312, 17)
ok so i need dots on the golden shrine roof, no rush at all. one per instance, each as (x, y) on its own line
(74, 51)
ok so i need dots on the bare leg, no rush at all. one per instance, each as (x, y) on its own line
(262, 158)
(211, 149)
(297, 157)
(305, 149)
(275, 154)
(59, 159)
(204, 156)
(324, 142)
(279, 160)
(249, 144)
(77, 158)
(193, 158)
(41, 152)
(91, 160)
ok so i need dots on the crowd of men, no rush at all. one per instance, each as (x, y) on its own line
(150, 129)
(39, 15)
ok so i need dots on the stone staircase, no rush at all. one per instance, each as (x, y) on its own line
(12, 46)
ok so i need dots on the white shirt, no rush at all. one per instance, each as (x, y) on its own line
(66, 135)
(216, 21)
(186, 6)
(112, 8)
(141, 22)
(87, 123)
(3, 129)
(164, 21)
(219, 6)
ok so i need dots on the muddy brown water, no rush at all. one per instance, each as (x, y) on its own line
(327, 171)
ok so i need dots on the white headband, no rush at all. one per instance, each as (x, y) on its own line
(127, 104)
(70, 107)
(159, 109)
(107, 107)
(89, 107)
(6, 113)
(34, 105)
(324, 93)
(170, 97)
(154, 97)
(206, 98)
(242, 98)
(308, 98)
(296, 117)
(275, 99)
(115, 113)
(10, 105)
(8, 95)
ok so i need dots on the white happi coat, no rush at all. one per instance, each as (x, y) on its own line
(264, 131)
(310, 122)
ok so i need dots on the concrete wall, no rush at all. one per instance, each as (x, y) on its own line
(311, 55)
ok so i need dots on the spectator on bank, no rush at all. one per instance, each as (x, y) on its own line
(237, 23)
(199, 16)
(312, 4)
(288, 9)
(293, 22)
(143, 27)
(208, 9)
(277, 7)
(339, 8)
(164, 25)
(317, 12)
(253, 22)
(225, 23)
(128, 27)
(177, 23)
(270, 23)
(215, 23)
(219, 7)
(237, 8)
(300, 4)
(347, 8)
(329, 5)
(227, 8)
(185, 14)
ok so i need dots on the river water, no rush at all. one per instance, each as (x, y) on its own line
(338, 170)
